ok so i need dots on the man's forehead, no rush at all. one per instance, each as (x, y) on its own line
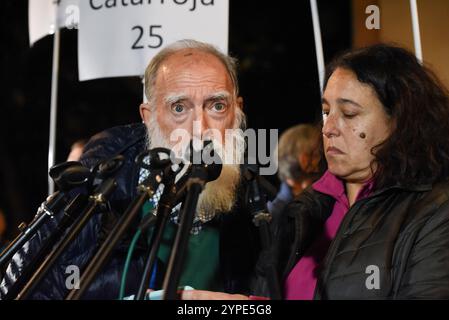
(181, 75)
(188, 54)
(189, 59)
(191, 53)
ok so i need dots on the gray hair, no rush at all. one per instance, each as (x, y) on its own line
(300, 139)
(153, 67)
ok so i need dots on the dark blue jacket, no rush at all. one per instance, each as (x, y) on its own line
(238, 237)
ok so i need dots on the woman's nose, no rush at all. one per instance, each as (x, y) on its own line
(330, 128)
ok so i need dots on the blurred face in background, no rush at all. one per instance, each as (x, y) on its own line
(354, 121)
(298, 155)
(76, 151)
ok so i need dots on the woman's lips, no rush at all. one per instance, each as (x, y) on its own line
(334, 151)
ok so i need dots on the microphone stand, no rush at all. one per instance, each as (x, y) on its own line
(145, 191)
(66, 176)
(165, 205)
(70, 214)
(45, 211)
(262, 218)
(104, 170)
(94, 201)
(198, 178)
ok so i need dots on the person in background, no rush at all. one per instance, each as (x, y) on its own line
(76, 150)
(298, 163)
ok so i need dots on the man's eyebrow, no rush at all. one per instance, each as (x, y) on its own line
(324, 101)
(176, 97)
(172, 98)
(348, 101)
(223, 95)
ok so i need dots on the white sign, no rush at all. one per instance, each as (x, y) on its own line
(119, 37)
(42, 15)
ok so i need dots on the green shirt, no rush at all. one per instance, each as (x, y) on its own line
(201, 265)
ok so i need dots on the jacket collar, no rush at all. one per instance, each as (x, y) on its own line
(332, 186)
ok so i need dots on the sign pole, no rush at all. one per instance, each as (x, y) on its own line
(53, 107)
(416, 30)
(318, 43)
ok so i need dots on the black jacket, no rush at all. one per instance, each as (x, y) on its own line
(238, 237)
(403, 231)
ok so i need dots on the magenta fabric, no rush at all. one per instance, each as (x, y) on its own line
(301, 282)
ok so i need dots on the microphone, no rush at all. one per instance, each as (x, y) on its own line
(256, 198)
(159, 163)
(104, 171)
(172, 174)
(261, 218)
(67, 176)
(171, 179)
(204, 164)
(165, 205)
(201, 173)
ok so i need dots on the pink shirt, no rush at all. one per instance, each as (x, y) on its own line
(301, 282)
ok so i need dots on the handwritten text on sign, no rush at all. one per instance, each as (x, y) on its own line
(119, 37)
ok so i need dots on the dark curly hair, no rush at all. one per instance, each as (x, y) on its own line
(417, 151)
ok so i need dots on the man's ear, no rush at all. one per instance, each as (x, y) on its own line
(240, 103)
(145, 112)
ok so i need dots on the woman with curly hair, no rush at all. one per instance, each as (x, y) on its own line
(376, 224)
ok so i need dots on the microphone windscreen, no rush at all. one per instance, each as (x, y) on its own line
(213, 171)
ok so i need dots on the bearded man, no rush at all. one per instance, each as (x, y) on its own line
(192, 92)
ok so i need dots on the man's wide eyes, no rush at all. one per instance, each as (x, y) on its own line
(216, 107)
(219, 107)
(177, 108)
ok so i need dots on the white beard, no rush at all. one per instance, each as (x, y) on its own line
(218, 196)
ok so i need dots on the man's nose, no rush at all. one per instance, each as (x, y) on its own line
(330, 126)
(200, 123)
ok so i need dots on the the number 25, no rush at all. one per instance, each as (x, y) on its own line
(156, 43)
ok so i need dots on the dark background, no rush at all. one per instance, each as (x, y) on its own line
(273, 41)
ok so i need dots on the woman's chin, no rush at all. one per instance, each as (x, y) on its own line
(338, 170)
